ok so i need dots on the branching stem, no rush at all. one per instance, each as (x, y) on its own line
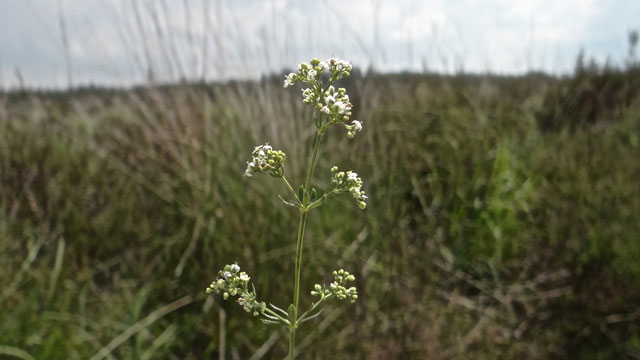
(303, 221)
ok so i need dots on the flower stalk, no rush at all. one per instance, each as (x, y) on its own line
(330, 106)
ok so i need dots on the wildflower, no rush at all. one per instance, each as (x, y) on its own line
(339, 68)
(329, 99)
(335, 104)
(265, 159)
(311, 75)
(289, 80)
(231, 282)
(338, 288)
(309, 97)
(348, 182)
(353, 129)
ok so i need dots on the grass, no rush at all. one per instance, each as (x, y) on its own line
(502, 220)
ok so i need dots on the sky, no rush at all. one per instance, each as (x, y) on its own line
(62, 43)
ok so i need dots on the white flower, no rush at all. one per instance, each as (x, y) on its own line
(288, 80)
(329, 99)
(307, 96)
(357, 125)
(340, 106)
(325, 110)
(311, 75)
(244, 277)
(235, 268)
(349, 182)
(265, 159)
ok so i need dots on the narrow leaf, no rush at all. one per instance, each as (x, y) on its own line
(317, 203)
(278, 309)
(292, 313)
(270, 322)
(310, 317)
(290, 203)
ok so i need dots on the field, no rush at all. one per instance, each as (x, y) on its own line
(503, 219)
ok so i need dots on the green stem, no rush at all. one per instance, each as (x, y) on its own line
(292, 343)
(303, 222)
(296, 290)
(307, 183)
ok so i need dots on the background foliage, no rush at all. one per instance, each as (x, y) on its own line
(502, 221)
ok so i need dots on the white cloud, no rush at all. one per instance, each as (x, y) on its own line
(246, 38)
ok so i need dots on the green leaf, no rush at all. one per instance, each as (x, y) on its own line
(314, 195)
(301, 194)
(317, 203)
(270, 322)
(292, 313)
(290, 203)
(279, 310)
(307, 318)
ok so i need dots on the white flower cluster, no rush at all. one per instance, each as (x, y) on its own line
(338, 108)
(349, 181)
(309, 73)
(335, 104)
(339, 68)
(232, 282)
(338, 287)
(265, 159)
(306, 73)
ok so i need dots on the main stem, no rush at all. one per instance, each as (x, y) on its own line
(303, 222)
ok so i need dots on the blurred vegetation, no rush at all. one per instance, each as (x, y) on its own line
(502, 222)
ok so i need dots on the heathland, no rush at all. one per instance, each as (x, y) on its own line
(502, 220)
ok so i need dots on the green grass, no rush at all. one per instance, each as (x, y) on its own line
(502, 221)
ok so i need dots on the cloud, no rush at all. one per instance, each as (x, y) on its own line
(121, 42)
